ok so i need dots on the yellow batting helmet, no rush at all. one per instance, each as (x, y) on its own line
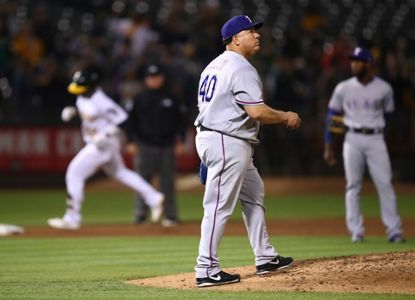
(83, 81)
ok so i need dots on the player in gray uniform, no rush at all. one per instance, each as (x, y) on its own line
(231, 107)
(364, 100)
(100, 118)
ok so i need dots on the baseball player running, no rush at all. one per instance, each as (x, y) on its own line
(364, 100)
(100, 117)
(231, 107)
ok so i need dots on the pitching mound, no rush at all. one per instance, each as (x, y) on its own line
(377, 273)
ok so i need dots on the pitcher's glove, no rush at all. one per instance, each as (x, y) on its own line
(203, 173)
(336, 124)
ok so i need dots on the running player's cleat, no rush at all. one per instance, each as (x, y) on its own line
(157, 210)
(61, 223)
(218, 279)
(359, 238)
(278, 263)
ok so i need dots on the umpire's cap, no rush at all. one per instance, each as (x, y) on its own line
(154, 69)
(237, 24)
(363, 54)
(84, 80)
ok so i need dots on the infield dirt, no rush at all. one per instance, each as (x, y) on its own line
(377, 273)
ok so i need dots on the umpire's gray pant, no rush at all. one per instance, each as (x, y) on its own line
(153, 160)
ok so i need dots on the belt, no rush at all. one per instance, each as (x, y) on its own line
(203, 128)
(365, 130)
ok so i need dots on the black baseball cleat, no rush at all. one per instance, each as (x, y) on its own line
(278, 263)
(218, 279)
(397, 239)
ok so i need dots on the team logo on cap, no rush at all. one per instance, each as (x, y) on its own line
(153, 69)
(357, 51)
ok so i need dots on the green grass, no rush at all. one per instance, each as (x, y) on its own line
(97, 268)
(29, 207)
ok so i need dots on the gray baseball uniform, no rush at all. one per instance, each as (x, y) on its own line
(363, 107)
(224, 144)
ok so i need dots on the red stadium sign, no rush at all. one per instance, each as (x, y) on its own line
(24, 149)
(50, 149)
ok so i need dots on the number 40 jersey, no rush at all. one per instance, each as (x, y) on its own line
(226, 85)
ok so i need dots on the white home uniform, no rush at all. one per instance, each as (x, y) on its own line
(100, 116)
(224, 144)
(363, 107)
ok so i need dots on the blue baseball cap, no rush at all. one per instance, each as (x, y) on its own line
(237, 24)
(360, 53)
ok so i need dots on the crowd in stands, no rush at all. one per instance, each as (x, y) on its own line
(304, 54)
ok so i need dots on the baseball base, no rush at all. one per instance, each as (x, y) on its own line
(9, 229)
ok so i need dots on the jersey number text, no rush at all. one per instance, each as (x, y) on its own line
(207, 88)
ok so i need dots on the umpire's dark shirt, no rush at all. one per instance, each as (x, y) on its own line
(156, 119)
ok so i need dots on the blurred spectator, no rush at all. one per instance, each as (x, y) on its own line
(43, 42)
(27, 46)
(397, 74)
(5, 54)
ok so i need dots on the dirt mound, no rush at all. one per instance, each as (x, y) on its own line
(376, 273)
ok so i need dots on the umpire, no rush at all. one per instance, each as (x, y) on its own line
(157, 120)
